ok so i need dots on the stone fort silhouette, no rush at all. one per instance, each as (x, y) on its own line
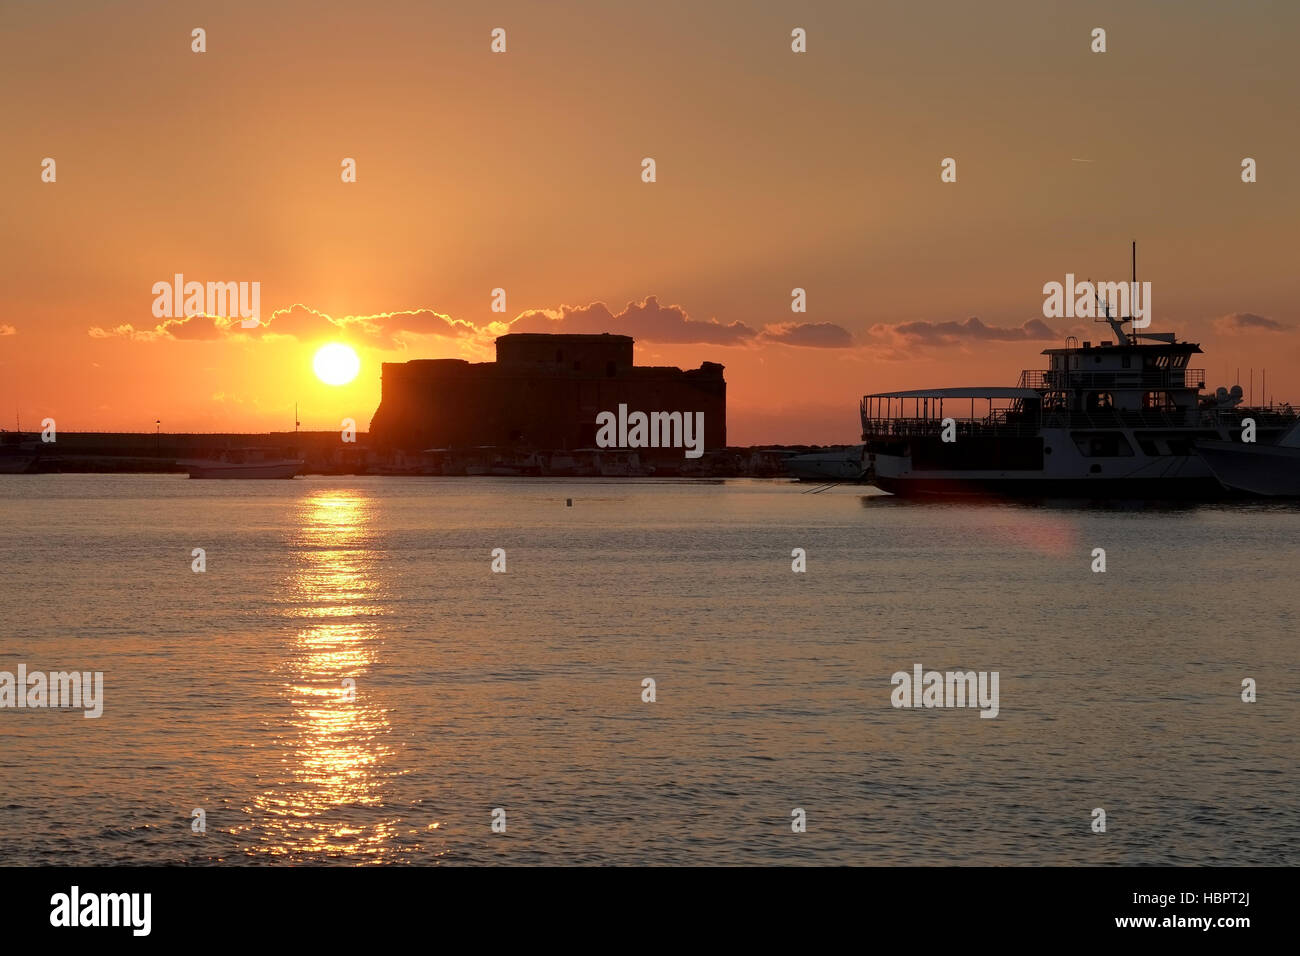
(542, 392)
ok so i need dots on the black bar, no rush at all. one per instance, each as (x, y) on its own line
(906, 906)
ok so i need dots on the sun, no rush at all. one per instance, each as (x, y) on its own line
(336, 364)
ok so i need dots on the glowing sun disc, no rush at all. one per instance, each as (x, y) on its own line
(336, 364)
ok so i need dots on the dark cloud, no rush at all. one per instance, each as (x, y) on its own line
(194, 328)
(191, 328)
(646, 321)
(1235, 322)
(121, 331)
(813, 335)
(950, 333)
(385, 330)
(651, 321)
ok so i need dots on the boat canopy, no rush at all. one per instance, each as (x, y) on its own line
(971, 392)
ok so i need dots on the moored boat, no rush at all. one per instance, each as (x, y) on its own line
(243, 463)
(841, 464)
(1271, 471)
(1111, 420)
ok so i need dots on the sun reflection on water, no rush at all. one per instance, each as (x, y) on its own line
(329, 801)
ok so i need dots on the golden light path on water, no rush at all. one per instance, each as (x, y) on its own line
(329, 802)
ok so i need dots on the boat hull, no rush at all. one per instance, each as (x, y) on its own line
(1272, 471)
(247, 470)
(1065, 472)
(1093, 489)
(826, 466)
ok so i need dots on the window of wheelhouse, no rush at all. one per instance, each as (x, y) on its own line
(1158, 401)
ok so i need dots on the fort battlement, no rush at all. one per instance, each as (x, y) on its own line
(543, 392)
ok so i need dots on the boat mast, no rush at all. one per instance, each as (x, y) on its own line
(1133, 291)
(1117, 324)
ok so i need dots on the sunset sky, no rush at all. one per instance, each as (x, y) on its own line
(522, 171)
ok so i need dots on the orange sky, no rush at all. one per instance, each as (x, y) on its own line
(522, 171)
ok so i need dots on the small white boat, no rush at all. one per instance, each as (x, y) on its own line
(244, 463)
(842, 464)
(1269, 470)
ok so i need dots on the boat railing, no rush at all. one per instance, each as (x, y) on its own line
(1232, 417)
(1013, 423)
(1003, 423)
(1053, 380)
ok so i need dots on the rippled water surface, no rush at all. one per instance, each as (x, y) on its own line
(228, 690)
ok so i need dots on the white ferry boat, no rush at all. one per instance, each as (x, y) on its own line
(244, 463)
(1111, 420)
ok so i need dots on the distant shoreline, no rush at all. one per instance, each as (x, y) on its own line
(326, 454)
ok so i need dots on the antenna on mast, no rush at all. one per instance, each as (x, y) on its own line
(1116, 323)
(1132, 298)
(296, 423)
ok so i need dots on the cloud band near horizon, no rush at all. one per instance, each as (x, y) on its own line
(647, 321)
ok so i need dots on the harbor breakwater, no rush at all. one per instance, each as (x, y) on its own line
(325, 453)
